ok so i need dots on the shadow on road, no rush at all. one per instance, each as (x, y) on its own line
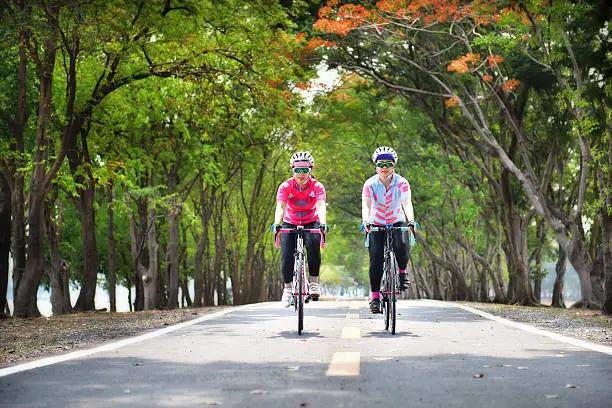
(437, 380)
(292, 334)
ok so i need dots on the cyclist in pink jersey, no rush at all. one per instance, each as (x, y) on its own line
(386, 200)
(300, 200)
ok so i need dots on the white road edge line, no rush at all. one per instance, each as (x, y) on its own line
(525, 327)
(113, 346)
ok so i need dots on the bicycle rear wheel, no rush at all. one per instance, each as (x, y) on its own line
(300, 294)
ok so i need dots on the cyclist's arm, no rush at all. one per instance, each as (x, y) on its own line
(366, 207)
(407, 206)
(321, 211)
(406, 199)
(279, 213)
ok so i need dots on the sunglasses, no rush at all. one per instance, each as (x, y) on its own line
(383, 165)
(298, 170)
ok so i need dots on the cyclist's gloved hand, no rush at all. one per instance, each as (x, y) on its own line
(414, 225)
(365, 227)
(324, 228)
(275, 228)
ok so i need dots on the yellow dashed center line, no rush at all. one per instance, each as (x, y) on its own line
(344, 364)
(351, 333)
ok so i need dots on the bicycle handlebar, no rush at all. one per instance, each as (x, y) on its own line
(295, 230)
(375, 229)
(411, 228)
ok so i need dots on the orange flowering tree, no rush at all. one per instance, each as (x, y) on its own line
(426, 36)
(482, 69)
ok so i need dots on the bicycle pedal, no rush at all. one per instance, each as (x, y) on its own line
(315, 298)
(306, 300)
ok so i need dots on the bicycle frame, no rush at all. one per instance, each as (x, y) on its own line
(301, 293)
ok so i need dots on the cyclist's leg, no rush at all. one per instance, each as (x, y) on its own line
(376, 250)
(401, 248)
(312, 242)
(287, 261)
(288, 242)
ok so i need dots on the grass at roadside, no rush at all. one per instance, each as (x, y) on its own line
(587, 316)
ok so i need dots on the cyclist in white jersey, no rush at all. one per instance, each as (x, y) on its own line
(386, 200)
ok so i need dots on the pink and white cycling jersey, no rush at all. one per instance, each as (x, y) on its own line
(300, 202)
(386, 202)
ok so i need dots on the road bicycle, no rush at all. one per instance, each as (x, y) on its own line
(389, 284)
(301, 287)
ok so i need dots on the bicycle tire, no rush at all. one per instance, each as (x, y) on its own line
(385, 298)
(392, 292)
(300, 295)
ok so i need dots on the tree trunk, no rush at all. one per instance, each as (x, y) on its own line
(87, 212)
(137, 247)
(26, 296)
(606, 228)
(421, 288)
(172, 252)
(536, 259)
(218, 264)
(473, 258)
(162, 295)
(460, 285)
(495, 275)
(198, 279)
(233, 255)
(516, 238)
(149, 280)
(185, 295)
(15, 175)
(185, 298)
(256, 210)
(129, 295)
(581, 260)
(18, 228)
(557, 296)
(59, 273)
(26, 287)
(537, 282)
(207, 204)
(483, 294)
(249, 271)
(5, 240)
(80, 166)
(437, 293)
(597, 270)
(112, 267)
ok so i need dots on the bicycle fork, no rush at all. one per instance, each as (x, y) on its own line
(300, 269)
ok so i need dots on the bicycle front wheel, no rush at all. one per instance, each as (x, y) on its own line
(385, 293)
(300, 294)
(392, 278)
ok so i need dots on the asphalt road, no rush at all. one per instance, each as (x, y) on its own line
(252, 356)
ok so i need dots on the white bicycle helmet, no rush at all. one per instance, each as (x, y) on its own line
(302, 157)
(384, 153)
